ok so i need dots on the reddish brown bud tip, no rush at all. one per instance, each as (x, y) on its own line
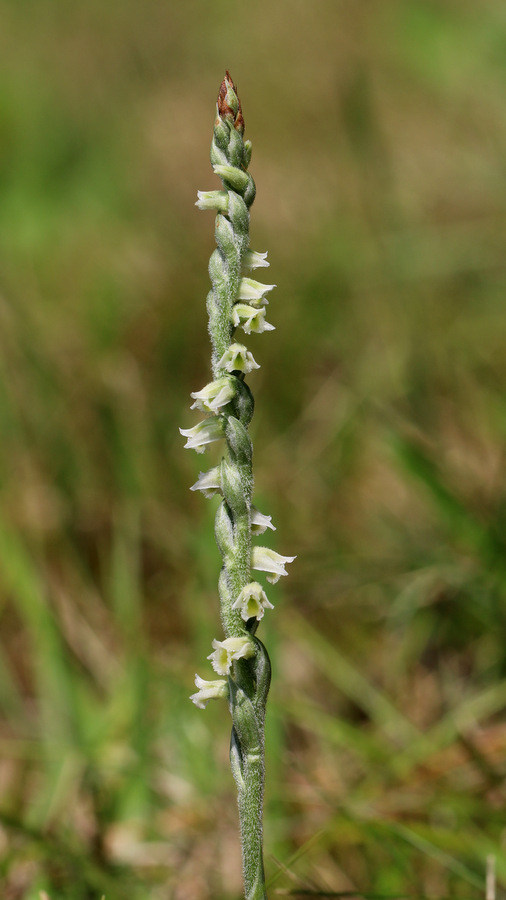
(229, 105)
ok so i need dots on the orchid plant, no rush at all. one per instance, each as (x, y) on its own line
(236, 301)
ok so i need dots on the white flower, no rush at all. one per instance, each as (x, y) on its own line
(259, 522)
(254, 260)
(265, 560)
(238, 359)
(208, 482)
(204, 433)
(217, 200)
(228, 650)
(251, 319)
(214, 395)
(208, 690)
(253, 291)
(252, 601)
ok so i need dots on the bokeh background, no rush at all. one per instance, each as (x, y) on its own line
(379, 152)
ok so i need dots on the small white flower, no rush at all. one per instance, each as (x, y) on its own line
(208, 482)
(214, 395)
(238, 359)
(217, 200)
(251, 319)
(259, 522)
(208, 690)
(228, 650)
(204, 433)
(253, 291)
(254, 260)
(266, 560)
(252, 601)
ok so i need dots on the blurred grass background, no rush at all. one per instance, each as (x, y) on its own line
(379, 152)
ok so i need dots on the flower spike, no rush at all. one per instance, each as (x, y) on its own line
(236, 301)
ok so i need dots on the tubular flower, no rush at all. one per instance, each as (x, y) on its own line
(224, 652)
(252, 601)
(204, 433)
(266, 560)
(217, 200)
(259, 522)
(208, 482)
(254, 260)
(253, 291)
(208, 690)
(214, 395)
(238, 359)
(250, 319)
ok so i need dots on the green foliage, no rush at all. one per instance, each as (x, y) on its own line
(379, 135)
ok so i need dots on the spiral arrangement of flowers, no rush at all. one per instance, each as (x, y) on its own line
(236, 301)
